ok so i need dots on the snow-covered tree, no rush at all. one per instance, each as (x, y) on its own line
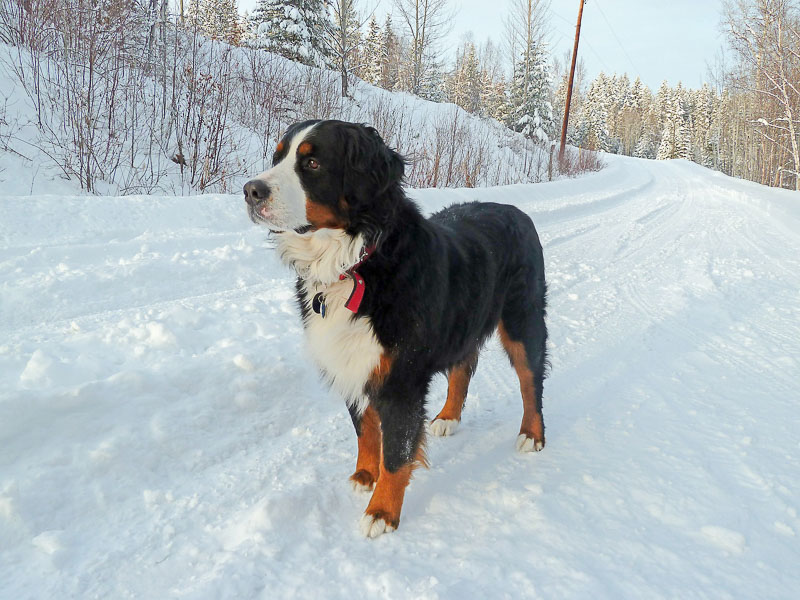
(646, 147)
(370, 65)
(530, 111)
(494, 99)
(218, 19)
(390, 56)
(291, 28)
(631, 118)
(676, 139)
(432, 81)
(618, 98)
(464, 84)
(593, 121)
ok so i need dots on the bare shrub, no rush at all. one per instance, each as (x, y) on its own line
(577, 161)
(201, 114)
(454, 156)
(321, 95)
(126, 98)
(266, 99)
(6, 131)
(71, 59)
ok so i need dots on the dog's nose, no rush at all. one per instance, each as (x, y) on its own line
(255, 191)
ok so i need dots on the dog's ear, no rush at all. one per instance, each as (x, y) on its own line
(369, 160)
(395, 167)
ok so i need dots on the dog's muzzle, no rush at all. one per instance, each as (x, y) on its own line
(256, 195)
(255, 191)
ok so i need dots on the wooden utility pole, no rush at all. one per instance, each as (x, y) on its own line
(571, 79)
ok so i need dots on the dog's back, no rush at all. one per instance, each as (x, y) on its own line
(503, 232)
(491, 267)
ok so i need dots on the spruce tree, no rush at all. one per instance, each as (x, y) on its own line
(291, 28)
(494, 99)
(258, 16)
(594, 117)
(432, 82)
(217, 19)
(371, 60)
(638, 95)
(390, 56)
(670, 117)
(619, 101)
(676, 139)
(704, 109)
(530, 110)
(645, 147)
(472, 80)
(464, 84)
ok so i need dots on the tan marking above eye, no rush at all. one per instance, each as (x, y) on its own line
(279, 147)
(304, 148)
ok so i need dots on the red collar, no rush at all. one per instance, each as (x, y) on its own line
(359, 287)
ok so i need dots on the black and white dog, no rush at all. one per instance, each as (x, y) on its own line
(389, 298)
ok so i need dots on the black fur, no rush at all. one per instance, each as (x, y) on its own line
(436, 287)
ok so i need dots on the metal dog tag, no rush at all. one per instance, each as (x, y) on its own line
(318, 304)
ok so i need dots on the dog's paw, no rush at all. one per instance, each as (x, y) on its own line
(442, 427)
(362, 481)
(372, 526)
(528, 444)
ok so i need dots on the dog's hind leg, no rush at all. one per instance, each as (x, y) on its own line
(458, 378)
(524, 341)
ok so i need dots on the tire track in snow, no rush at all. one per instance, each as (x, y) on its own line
(220, 463)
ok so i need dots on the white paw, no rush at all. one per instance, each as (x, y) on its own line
(361, 487)
(526, 444)
(372, 527)
(442, 427)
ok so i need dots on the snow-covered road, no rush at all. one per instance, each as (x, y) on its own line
(162, 433)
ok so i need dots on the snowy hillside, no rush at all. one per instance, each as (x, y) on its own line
(234, 136)
(162, 433)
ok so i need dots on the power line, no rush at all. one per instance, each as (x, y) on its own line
(599, 58)
(561, 17)
(611, 29)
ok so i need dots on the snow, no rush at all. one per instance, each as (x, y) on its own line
(163, 433)
(482, 151)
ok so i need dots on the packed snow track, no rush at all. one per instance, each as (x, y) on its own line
(164, 434)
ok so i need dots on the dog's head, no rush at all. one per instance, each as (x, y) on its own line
(326, 174)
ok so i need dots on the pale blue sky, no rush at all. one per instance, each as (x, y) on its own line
(672, 40)
(658, 39)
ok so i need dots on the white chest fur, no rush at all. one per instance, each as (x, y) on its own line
(345, 348)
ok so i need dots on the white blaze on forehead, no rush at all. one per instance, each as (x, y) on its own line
(287, 204)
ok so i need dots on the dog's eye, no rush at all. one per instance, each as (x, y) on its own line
(312, 164)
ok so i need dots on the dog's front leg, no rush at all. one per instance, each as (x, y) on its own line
(368, 430)
(402, 420)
